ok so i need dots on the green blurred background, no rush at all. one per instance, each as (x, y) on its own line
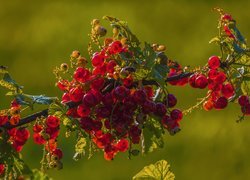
(36, 36)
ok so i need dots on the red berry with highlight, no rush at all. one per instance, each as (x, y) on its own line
(214, 62)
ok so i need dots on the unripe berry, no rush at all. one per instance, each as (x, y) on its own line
(95, 22)
(100, 30)
(64, 67)
(75, 54)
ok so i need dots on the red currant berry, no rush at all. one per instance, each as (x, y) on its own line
(192, 80)
(122, 145)
(38, 139)
(176, 115)
(110, 66)
(81, 74)
(220, 78)
(243, 100)
(97, 84)
(86, 123)
(140, 96)
(58, 152)
(22, 135)
(52, 132)
(52, 121)
(97, 60)
(89, 99)
(83, 110)
(166, 120)
(115, 47)
(220, 103)
(214, 62)
(76, 94)
(208, 105)
(160, 109)
(65, 98)
(107, 99)
(227, 17)
(3, 119)
(201, 81)
(120, 92)
(63, 85)
(212, 73)
(37, 128)
(149, 106)
(227, 90)
(171, 101)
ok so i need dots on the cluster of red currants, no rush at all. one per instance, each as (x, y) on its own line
(114, 118)
(18, 137)
(220, 90)
(12, 115)
(46, 133)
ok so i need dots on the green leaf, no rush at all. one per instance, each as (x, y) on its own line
(152, 134)
(159, 73)
(41, 99)
(7, 78)
(149, 55)
(158, 171)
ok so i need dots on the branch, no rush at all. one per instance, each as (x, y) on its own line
(109, 86)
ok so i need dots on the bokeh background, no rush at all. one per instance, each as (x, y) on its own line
(36, 36)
